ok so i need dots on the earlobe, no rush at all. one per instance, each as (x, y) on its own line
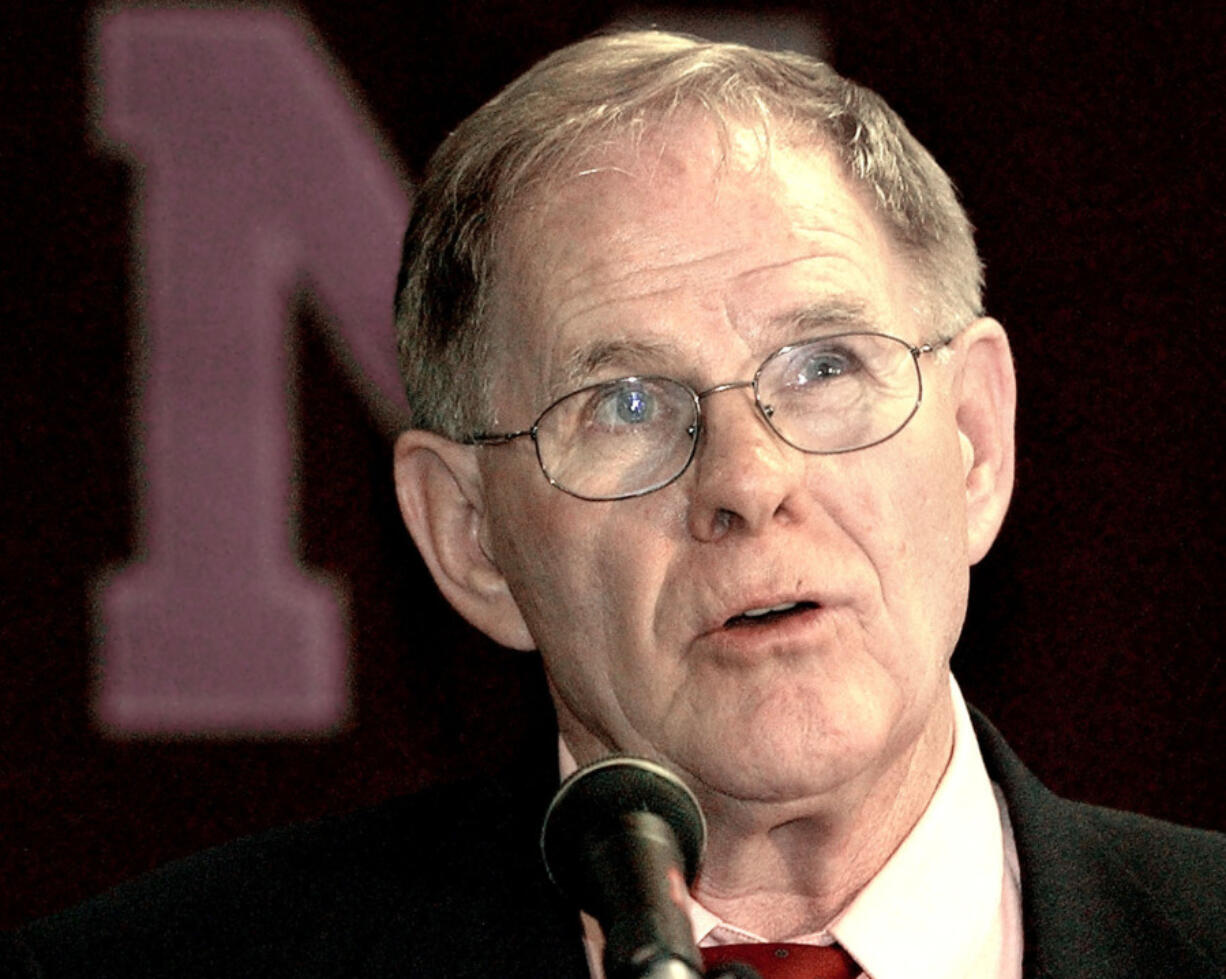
(987, 401)
(442, 502)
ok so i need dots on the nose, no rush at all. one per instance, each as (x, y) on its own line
(745, 476)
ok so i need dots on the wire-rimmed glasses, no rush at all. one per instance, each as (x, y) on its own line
(629, 436)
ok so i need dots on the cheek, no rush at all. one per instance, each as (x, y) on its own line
(935, 564)
(926, 488)
(583, 574)
(895, 506)
(548, 570)
(907, 511)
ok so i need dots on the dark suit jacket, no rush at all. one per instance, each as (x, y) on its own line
(448, 885)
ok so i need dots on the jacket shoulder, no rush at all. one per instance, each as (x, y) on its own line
(305, 900)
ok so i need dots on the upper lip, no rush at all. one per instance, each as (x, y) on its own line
(720, 614)
(765, 610)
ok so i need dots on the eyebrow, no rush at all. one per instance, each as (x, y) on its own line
(623, 354)
(831, 315)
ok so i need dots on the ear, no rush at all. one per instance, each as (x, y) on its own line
(987, 401)
(439, 487)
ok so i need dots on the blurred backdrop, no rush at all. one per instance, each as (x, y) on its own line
(1086, 142)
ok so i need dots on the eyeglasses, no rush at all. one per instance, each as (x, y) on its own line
(631, 436)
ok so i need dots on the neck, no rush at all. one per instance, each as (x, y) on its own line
(781, 870)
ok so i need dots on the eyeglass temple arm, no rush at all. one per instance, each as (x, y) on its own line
(494, 438)
(937, 344)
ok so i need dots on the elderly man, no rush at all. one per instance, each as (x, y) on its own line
(707, 411)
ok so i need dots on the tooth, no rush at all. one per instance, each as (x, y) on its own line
(757, 612)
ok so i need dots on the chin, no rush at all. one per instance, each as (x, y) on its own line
(767, 771)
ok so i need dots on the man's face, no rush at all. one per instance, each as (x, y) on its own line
(664, 262)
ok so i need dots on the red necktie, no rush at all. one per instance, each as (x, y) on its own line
(780, 960)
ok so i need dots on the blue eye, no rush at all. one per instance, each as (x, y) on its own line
(633, 406)
(821, 365)
(624, 404)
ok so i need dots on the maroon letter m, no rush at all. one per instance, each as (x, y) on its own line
(257, 175)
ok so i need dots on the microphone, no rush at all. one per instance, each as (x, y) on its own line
(623, 838)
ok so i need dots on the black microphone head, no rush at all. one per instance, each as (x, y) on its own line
(603, 794)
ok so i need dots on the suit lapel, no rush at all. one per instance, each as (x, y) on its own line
(1086, 913)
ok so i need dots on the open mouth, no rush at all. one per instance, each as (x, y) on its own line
(763, 616)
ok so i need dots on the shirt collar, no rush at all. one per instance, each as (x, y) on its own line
(931, 909)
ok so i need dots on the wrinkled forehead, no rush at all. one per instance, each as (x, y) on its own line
(680, 196)
(646, 155)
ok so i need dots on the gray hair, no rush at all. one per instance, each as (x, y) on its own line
(608, 88)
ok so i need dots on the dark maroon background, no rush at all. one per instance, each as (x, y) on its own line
(1087, 145)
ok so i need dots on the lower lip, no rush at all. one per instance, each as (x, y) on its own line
(796, 632)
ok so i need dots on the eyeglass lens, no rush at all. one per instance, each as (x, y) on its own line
(632, 435)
